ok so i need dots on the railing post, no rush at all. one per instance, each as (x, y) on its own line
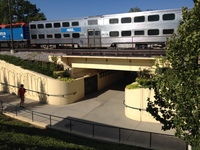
(119, 134)
(93, 130)
(150, 139)
(50, 119)
(32, 116)
(70, 124)
(1, 107)
(16, 110)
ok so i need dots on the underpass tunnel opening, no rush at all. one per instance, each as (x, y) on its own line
(100, 79)
(128, 77)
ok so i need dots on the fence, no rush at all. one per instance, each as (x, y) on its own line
(97, 130)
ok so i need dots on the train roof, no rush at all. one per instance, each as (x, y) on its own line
(13, 25)
(110, 15)
(140, 13)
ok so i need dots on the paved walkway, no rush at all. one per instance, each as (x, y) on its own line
(105, 107)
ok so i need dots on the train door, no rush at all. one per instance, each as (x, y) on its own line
(94, 38)
(90, 84)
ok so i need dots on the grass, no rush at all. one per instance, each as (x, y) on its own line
(18, 135)
(133, 86)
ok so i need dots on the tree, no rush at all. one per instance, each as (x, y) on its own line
(177, 85)
(149, 10)
(135, 9)
(21, 10)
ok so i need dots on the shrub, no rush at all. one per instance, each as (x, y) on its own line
(46, 68)
(133, 86)
(146, 83)
(144, 78)
(66, 79)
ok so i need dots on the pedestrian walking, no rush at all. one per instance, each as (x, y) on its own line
(21, 93)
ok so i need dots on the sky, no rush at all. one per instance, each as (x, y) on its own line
(64, 9)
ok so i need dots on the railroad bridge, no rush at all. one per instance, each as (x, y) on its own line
(108, 63)
(120, 60)
(89, 72)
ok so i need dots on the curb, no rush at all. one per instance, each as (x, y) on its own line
(35, 123)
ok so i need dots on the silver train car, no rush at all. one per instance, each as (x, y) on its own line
(147, 29)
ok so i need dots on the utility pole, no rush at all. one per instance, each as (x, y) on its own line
(11, 29)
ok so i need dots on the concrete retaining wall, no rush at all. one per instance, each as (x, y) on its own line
(136, 99)
(55, 92)
(49, 90)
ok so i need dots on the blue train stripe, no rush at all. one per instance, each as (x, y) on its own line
(63, 30)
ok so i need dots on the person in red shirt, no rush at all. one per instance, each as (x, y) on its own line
(21, 93)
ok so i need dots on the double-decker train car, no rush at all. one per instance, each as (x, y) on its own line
(147, 29)
(19, 33)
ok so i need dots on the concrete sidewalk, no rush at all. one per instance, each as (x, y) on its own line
(106, 108)
(102, 107)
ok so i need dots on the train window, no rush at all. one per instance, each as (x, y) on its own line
(75, 35)
(41, 36)
(114, 21)
(126, 33)
(8, 26)
(114, 34)
(48, 25)
(49, 36)
(153, 18)
(126, 20)
(141, 32)
(40, 26)
(33, 26)
(97, 33)
(75, 23)
(34, 36)
(168, 16)
(92, 22)
(153, 32)
(65, 24)
(90, 33)
(139, 19)
(56, 25)
(66, 35)
(168, 31)
(57, 36)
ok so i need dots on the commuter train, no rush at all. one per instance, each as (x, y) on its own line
(147, 29)
(19, 33)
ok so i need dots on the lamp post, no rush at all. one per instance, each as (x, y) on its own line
(11, 29)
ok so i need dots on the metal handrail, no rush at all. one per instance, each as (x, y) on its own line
(60, 95)
(78, 120)
(140, 109)
(94, 125)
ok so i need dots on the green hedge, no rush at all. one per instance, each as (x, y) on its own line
(17, 135)
(146, 83)
(45, 68)
(133, 86)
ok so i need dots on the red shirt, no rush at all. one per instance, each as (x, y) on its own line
(21, 91)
